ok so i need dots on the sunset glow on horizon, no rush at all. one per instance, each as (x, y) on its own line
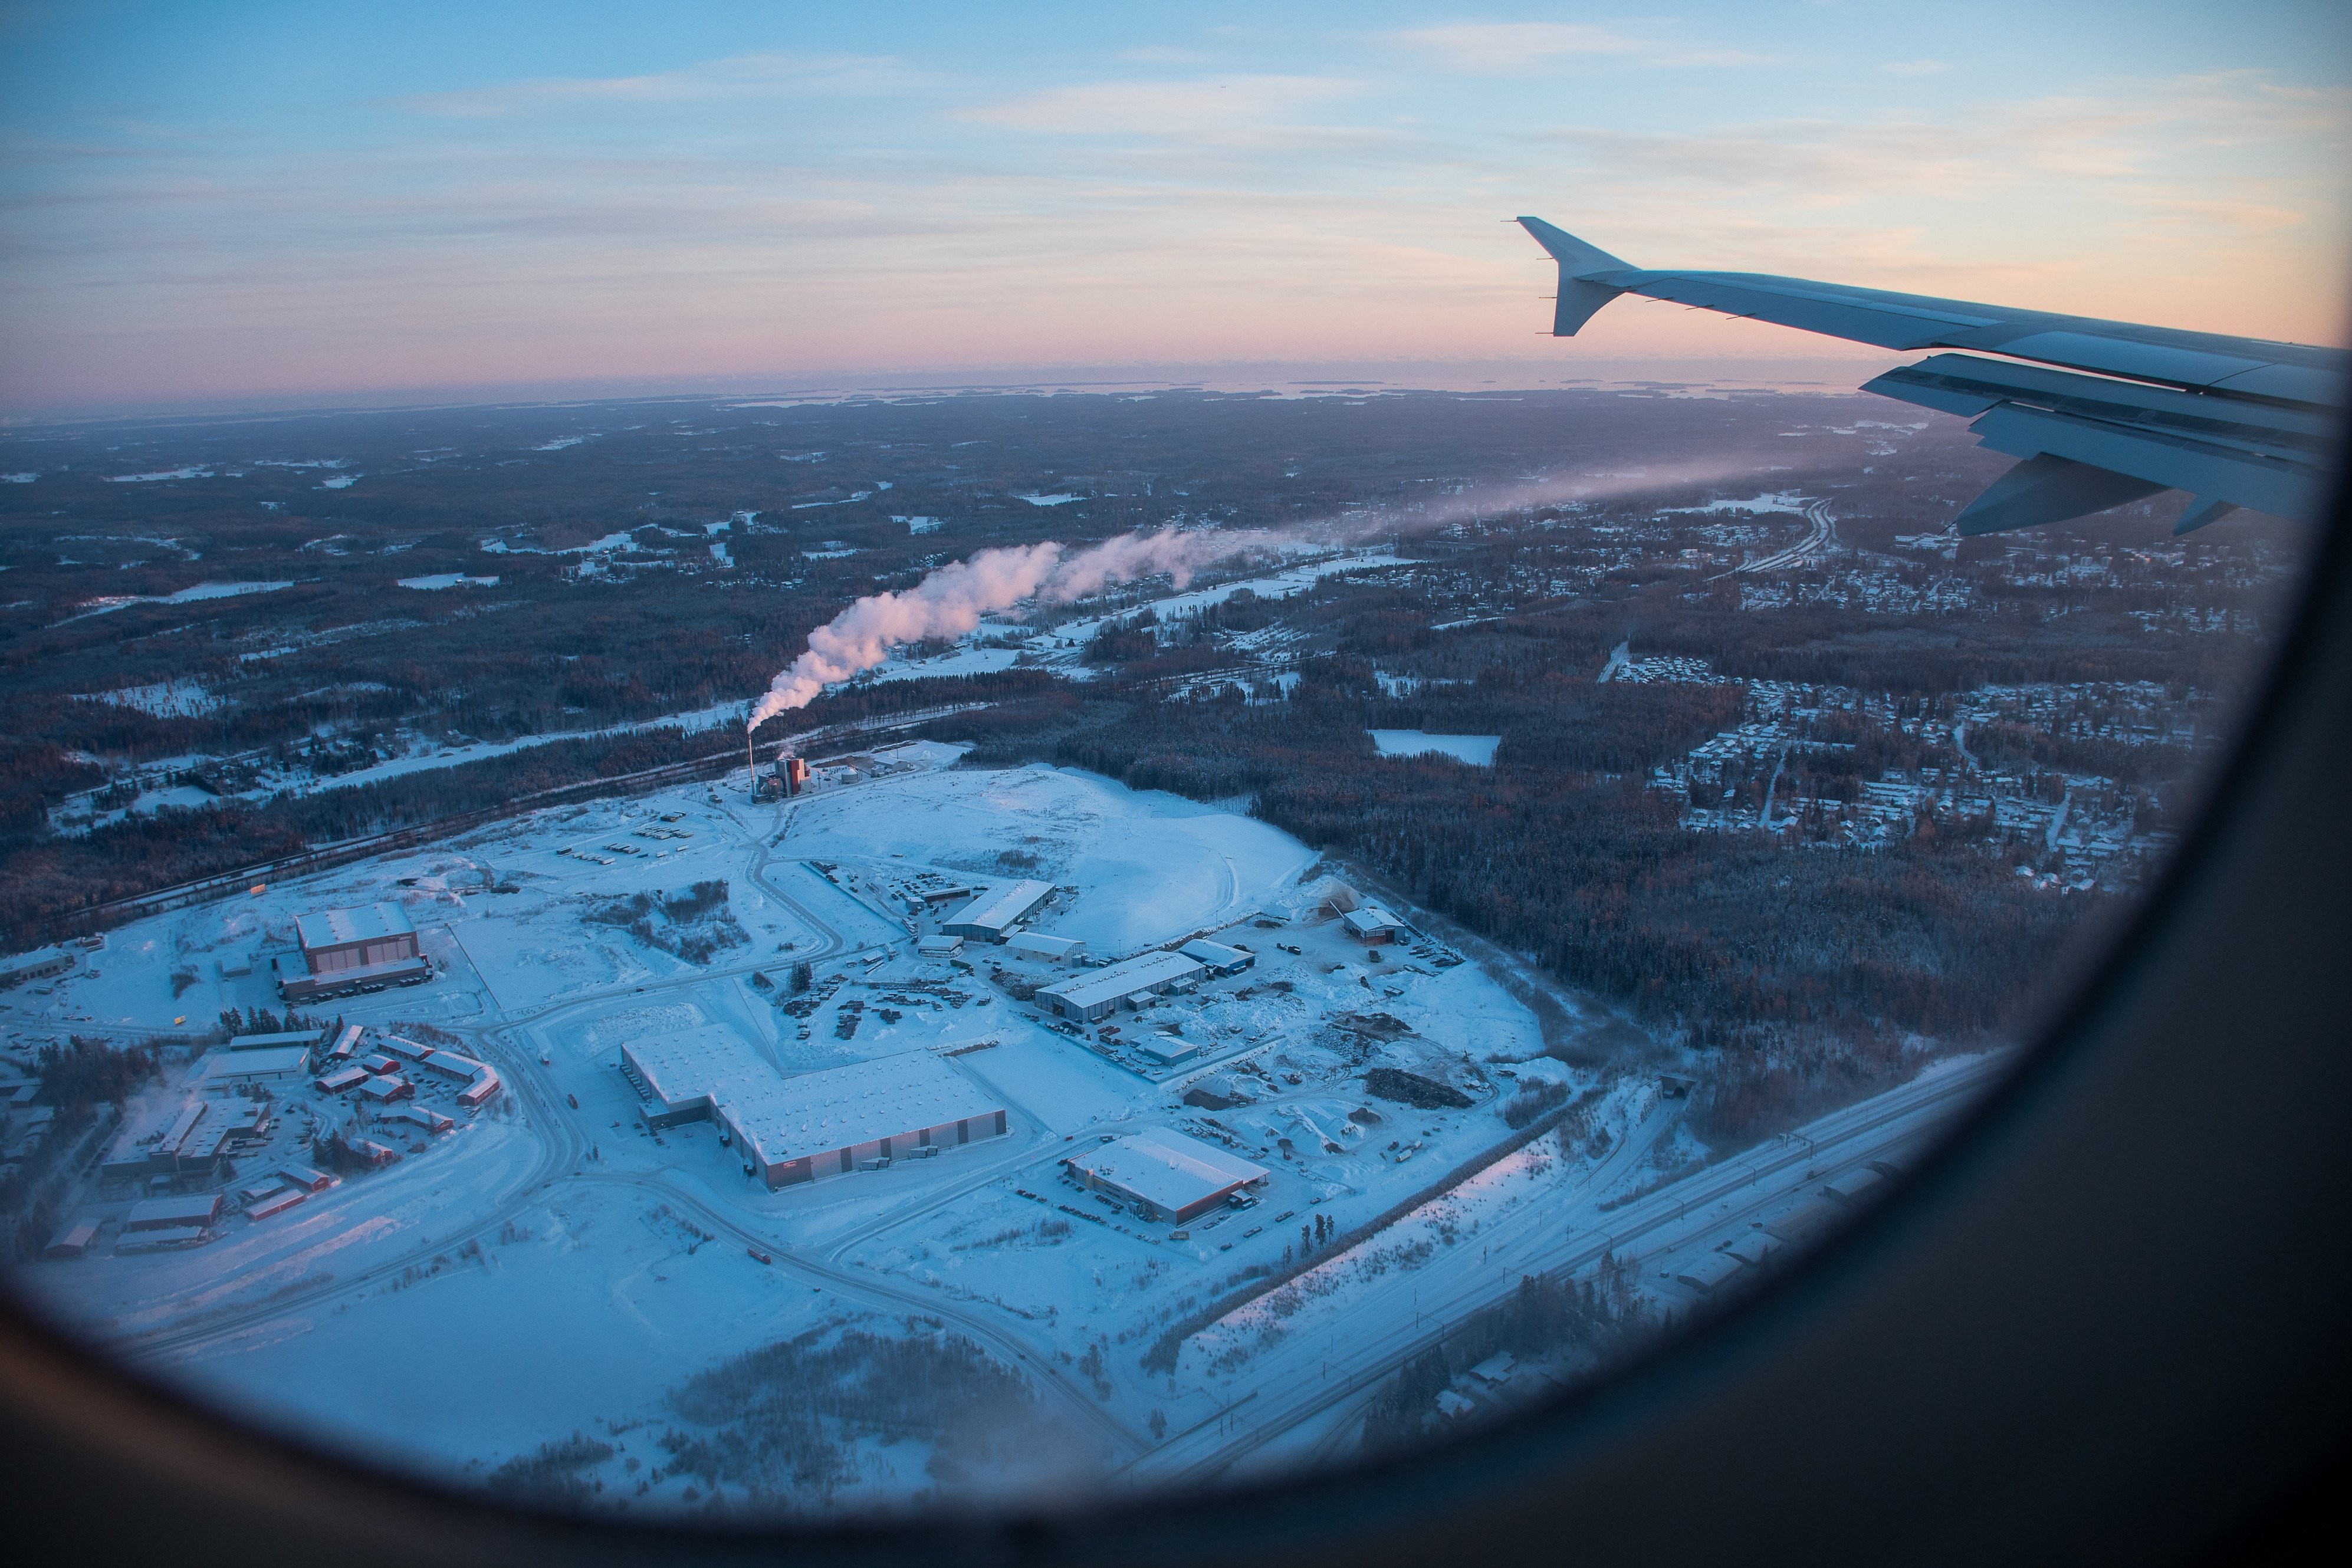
(271, 202)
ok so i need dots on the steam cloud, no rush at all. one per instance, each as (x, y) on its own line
(951, 600)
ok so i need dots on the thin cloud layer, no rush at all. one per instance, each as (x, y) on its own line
(928, 199)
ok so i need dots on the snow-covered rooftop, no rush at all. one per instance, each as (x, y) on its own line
(331, 928)
(1166, 1168)
(707, 1062)
(841, 1107)
(1145, 972)
(992, 913)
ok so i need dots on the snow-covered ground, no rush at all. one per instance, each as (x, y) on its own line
(448, 580)
(1478, 750)
(202, 590)
(1148, 867)
(555, 1266)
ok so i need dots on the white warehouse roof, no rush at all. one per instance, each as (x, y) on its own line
(709, 1062)
(334, 927)
(1043, 945)
(843, 1107)
(992, 913)
(1166, 1168)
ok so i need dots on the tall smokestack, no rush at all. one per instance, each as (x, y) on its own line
(751, 755)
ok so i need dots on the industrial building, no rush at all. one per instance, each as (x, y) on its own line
(347, 951)
(991, 917)
(168, 1141)
(836, 1120)
(1166, 1175)
(790, 1130)
(172, 1213)
(37, 964)
(481, 1079)
(1101, 992)
(1045, 949)
(235, 1067)
(72, 1241)
(1372, 926)
(686, 1073)
(1221, 960)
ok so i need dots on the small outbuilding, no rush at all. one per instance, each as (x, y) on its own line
(1044, 949)
(72, 1241)
(1221, 960)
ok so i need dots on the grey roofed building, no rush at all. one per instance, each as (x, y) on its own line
(1050, 950)
(302, 1037)
(165, 1213)
(262, 1064)
(991, 917)
(1221, 958)
(35, 965)
(1173, 1177)
(1101, 992)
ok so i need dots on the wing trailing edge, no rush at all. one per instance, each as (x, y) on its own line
(2104, 412)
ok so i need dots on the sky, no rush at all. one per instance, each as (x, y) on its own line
(242, 205)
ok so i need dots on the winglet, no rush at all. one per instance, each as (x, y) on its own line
(1579, 296)
(1576, 259)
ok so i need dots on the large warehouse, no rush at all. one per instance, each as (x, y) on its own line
(991, 917)
(1172, 1178)
(796, 1129)
(1099, 992)
(346, 951)
(831, 1122)
(688, 1073)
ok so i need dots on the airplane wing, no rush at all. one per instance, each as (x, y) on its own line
(2099, 413)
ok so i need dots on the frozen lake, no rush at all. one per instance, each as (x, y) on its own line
(1477, 751)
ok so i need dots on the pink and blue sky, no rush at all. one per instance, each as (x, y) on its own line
(246, 203)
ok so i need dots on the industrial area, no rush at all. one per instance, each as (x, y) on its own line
(1125, 1091)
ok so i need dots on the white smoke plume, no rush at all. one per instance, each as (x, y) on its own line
(951, 600)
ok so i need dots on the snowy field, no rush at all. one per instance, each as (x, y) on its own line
(1477, 751)
(553, 1265)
